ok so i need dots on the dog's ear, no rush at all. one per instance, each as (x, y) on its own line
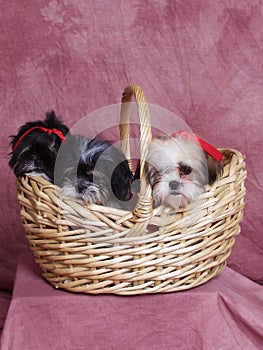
(227, 156)
(214, 168)
(152, 174)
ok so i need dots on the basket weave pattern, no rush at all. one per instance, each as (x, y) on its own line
(96, 249)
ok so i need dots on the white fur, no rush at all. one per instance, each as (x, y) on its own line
(94, 193)
(41, 174)
(167, 155)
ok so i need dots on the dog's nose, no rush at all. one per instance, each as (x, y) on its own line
(174, 185)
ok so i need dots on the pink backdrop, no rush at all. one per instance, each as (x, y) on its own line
(199, 59)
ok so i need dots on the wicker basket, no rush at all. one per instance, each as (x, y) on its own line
(96, 249)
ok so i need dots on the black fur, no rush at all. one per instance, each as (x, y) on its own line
(37, 151)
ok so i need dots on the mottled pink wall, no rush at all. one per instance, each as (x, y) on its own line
(199, 59)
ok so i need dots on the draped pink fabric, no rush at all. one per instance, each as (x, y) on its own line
(225, 313)
(201, 60)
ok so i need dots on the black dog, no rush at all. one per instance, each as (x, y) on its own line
(35, 147)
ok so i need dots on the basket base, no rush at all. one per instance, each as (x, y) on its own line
(127, 288)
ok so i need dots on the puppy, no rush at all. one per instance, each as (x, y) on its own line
(178, 167)
(93, 170)
(35, 147)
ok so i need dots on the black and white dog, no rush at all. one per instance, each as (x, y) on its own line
(35, 147)
(93, 170)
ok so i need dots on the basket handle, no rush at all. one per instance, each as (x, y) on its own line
(143, 207)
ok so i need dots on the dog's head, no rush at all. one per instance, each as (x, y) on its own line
(95, 171)
(178, 169)
(35, 147)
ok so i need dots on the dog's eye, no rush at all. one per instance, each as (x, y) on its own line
(185, 169)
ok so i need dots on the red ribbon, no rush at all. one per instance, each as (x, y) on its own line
(207, 147)
(49, 131)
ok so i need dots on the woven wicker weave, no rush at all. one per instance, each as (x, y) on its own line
(96, 249)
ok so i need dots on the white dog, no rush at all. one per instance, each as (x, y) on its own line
(179, 166)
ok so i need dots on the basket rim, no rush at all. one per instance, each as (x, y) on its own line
(44, 183)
